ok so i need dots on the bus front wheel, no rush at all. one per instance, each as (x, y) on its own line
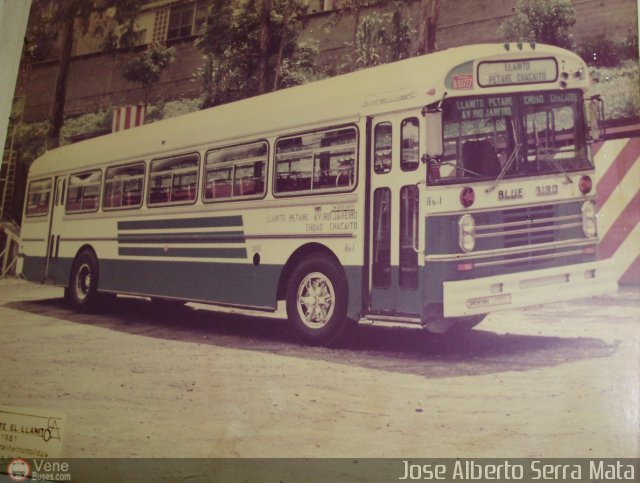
(317, 297)
(82, 292)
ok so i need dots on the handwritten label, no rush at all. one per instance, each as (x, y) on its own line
(30, 433)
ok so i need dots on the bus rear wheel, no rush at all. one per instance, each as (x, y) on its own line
(82, 292)
(317, 297)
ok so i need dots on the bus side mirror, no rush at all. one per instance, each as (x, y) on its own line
(595, 118)
(433, 126)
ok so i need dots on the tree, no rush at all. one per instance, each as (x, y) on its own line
(383, 38)
(250, 47)
(145, 69)
(545, 21)
(428, 26)
(61, 20)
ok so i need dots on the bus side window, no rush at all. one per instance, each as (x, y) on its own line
(236, 171)
(382, 148)
(38, 196)
(123, 186)
(410, 144)
(83, 192)
(174, 180)
(320, 160)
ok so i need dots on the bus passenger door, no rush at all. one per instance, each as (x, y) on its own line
(393, 258)
(55, 222)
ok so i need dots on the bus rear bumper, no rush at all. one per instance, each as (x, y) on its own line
(516, 290)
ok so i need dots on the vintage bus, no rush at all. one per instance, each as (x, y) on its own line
(424, 193)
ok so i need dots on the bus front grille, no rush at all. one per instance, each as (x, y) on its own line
(530, 227)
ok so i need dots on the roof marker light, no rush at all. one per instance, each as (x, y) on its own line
(519, 44)
(507, 46)
(532, 45)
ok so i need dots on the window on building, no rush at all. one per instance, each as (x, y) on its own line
(83, 193)
(236, 172)
(160, 25)
(38, 196)
(123, 186)
(316, 161)
(181, 21)
(173, 180)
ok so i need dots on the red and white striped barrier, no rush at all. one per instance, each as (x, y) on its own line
(618, 187)
(126, 117)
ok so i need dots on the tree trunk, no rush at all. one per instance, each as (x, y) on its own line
(288, 9)
(357, 10)
(433, 26)
(265, 40)
(57, 108)
(429, 14)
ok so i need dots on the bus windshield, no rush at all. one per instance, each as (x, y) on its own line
(512, 135)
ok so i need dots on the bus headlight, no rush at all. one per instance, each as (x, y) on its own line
(466, 233)
(589, 226)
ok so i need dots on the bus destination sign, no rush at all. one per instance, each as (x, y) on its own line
(526, 71)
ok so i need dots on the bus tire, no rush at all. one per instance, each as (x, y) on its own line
(82, 292)
(317, 299)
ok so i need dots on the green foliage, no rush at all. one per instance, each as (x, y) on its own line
(605, 52)
(145, 69)
(382, 38)
(30, 141)
(371, 40)
(544, 21)
(171, 109)
(230, 43)
(618, 87)
(86, 124)
(300, 68)
(39, 40)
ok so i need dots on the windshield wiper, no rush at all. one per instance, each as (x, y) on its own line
(507, 165)
(454, 165)
(547, 155)
(510, 160)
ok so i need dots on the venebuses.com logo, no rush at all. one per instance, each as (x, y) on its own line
(39, 470)
(18, 470)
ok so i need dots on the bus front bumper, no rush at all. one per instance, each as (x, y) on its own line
(524, 289)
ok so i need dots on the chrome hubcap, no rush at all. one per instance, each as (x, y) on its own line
(316, 300)
(83, 282)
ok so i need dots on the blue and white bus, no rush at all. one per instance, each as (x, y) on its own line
(425, 193)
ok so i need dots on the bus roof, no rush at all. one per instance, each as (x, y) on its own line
(346, 98)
